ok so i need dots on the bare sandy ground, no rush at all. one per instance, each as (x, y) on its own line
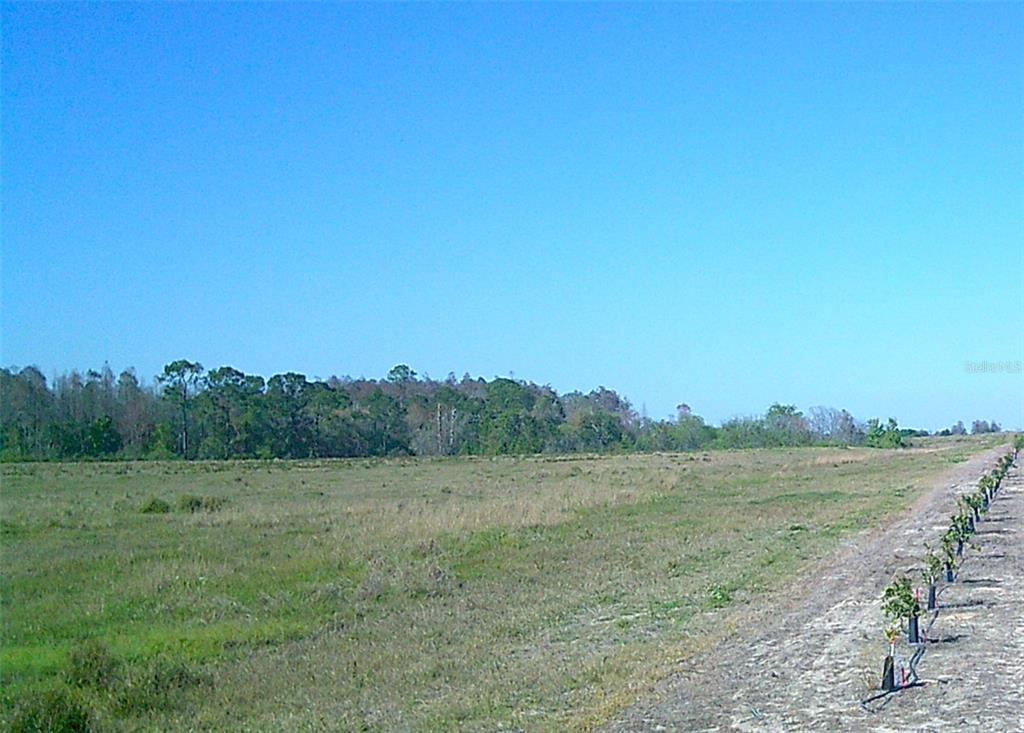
(809, 661)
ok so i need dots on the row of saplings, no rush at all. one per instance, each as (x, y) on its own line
(900, 604)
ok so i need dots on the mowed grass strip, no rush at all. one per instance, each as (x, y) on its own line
(535, 593)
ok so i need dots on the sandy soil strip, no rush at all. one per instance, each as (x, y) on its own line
(807, 663)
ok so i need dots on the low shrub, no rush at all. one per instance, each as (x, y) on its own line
(155, 506)
(193, 503)
(91, 665)
(190, 503)
(154, 685)
(52, 711)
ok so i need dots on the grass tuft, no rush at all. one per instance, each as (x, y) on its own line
(155, 685)
(91, 665)
(192, 503)
(56, 710)
(154, 505)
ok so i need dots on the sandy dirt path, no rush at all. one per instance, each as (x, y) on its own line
(807, 662)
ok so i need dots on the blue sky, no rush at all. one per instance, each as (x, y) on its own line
(722, 204)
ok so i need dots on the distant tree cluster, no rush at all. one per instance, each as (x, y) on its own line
(983, 426)
(884, 436)
(977, 428)
(189, 412)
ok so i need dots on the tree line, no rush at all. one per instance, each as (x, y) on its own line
(977, 427)
(189, 412)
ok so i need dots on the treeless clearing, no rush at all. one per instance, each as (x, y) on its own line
(540, 593)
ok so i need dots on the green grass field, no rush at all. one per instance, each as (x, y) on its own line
(539, 593)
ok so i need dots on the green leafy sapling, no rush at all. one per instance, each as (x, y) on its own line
(933, 565)
(961, 526)
(948, 544)
(932, 573)
(974, 503)
(898, 601)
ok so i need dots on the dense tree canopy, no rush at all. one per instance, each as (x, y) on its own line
(189, 412)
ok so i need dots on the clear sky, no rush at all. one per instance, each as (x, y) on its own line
(722, 204)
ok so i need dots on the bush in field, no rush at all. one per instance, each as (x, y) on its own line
(155, 685)
(155, 506)
(52, 711)
(193, 503)
(884, 436)
(91, 665)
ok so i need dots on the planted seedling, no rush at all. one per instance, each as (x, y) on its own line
(998, 474)
(892, 632)
(964, 529)
(949, 543)
(898, 603)
(961, 526)
(931, 574)
(973, 502)
(985, 484)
